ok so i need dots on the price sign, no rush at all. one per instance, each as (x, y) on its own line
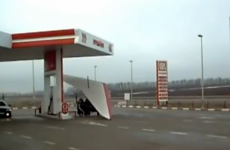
(162, 81)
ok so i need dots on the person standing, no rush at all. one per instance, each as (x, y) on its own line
(50, 105)
(76, 100)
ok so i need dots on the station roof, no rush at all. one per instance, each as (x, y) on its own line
(31, 46)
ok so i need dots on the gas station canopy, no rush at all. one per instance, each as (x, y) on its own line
(31, 46)
(53, 46)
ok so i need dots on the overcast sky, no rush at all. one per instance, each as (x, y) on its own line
(141, 30)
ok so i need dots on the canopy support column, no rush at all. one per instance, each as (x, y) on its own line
(53, 67)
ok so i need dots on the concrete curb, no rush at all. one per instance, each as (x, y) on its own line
(17, 108)
(34, 107)
(175, 108)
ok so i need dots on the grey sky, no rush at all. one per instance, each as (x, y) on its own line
(142, 30)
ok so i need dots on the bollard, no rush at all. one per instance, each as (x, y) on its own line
(59, 116)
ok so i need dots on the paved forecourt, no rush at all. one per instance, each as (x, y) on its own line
(129, 129)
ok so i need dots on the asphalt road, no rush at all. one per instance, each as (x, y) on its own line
(130, 129)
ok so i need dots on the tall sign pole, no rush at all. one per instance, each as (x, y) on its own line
(33, 78)
(95, 73)
(202, 69)
(229, 29)
(131, 85)
(161, 82)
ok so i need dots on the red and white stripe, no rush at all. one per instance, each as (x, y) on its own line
(45, 38)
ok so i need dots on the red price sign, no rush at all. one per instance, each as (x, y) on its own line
(50, 60)
(162, 81)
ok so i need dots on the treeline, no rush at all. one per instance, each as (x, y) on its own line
(177, 84)
(185, 87)
(191, 87)
(220, 91)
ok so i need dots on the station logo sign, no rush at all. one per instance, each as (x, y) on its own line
(162, 65)
(162, 81)
(83, 38)
(50, 60)
(98, 43)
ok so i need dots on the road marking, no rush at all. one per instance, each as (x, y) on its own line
(217, 136)
(124, 106)
(198, 109)
(50, 143)
(24, 108)
(207, 121)
(15, 108)
(130, 106)
(138, 106)
(164, 108)
(187, 120)
(72, 148)
(185, 108)
(148, 130)
(25, 137)
(205, 117)
(9, 132)
(179, 133)
(146, 107)
(97, 124)
(92, 123)
(54, 127)
(154, 107)
(123, 127)
(218, 115)
(141, 121)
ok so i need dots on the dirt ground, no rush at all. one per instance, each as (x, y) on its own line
(172, 103)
